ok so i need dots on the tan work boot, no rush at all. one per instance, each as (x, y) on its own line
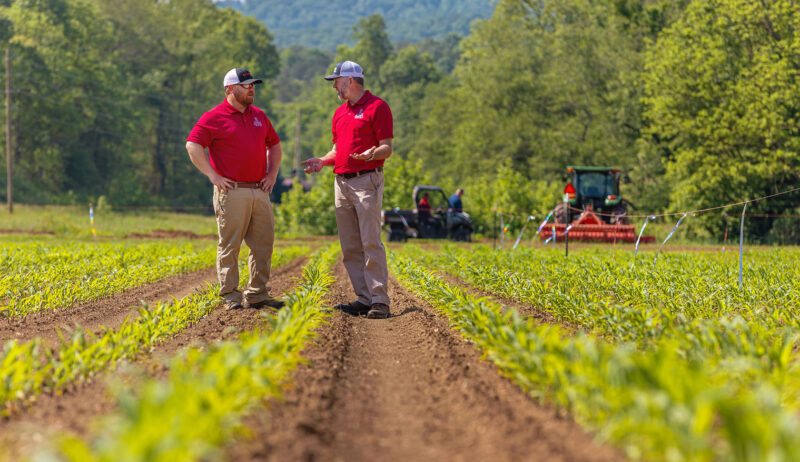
(379, 311)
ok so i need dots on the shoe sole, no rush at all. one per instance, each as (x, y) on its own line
(353, 311)
(378, 315)
(257, 306)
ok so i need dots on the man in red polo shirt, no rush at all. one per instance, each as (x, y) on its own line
(242, 164)
(362, 140)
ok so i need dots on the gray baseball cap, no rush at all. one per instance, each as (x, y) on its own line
(346, 69)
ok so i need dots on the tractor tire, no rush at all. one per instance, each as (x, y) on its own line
(396, 235)
(462, 234)
(621, 209)
(561, 214)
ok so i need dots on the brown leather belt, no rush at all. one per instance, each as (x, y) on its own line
(362, 172)
(246, 185)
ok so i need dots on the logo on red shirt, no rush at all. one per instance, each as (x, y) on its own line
(360, 114)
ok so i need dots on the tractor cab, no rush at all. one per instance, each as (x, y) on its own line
(592, 188)
(592, 209)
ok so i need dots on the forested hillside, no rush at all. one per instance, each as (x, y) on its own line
(325, 25)
(695, 100)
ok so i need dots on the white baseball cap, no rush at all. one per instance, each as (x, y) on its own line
(346, 69)
(239, 75)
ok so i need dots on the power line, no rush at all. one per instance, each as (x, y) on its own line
(694, 212)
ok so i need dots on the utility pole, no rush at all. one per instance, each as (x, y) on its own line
(9, 184)
(297, 148)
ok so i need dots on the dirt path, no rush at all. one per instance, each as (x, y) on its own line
(406, 388)
(76, 410)
(109, 312)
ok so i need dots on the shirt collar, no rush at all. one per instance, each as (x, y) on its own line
(364, 98)
(228, 107)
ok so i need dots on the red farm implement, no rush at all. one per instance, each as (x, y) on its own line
(589, 227)
(593, 209)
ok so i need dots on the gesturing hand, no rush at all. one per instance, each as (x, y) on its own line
(313, 165)
(366, 156)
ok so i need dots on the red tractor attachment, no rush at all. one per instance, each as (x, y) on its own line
(589, 227)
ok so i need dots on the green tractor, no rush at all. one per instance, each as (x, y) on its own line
(595, 189)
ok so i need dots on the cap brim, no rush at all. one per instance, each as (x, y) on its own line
(249, 81)
(331, 77)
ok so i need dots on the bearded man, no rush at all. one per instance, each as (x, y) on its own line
(244, 154)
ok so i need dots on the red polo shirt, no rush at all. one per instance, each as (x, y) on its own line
(237, 141)
(358, 127)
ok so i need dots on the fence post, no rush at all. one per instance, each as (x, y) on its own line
(741, 245)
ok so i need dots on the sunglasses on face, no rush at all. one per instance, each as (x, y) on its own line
(246, 85)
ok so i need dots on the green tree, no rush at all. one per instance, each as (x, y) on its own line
(300, 66)
(325, 25)
(95, 115)
(722, 106)
(62, 125)
(547, 84)
(372, 48)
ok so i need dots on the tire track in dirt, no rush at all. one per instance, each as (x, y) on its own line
(107, 312)
(75, 410)
(406, 388)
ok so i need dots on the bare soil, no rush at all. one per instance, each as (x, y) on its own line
(406, 388)
(108, 312)
(76, 409)
(26, 231)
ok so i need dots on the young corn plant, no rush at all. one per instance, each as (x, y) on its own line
(37, 276)
(654, 404)
(200, 407)
(27, 369)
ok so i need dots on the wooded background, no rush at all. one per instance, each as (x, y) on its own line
(696, 101)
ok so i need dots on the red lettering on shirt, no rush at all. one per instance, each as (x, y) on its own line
(237, 141)
(358, 127)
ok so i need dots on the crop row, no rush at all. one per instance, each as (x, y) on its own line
(28, 369)
(586, 293)
(37, 276)
(192, 414)
(746, 350)
(653, 403)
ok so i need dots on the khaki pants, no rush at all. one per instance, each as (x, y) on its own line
(358, 216)
(244, 214)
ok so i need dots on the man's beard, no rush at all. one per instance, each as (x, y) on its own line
(244, 100)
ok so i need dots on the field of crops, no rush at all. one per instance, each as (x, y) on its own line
(490, 354)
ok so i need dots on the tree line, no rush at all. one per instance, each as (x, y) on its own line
(324, 25)
(104, 94)
(695, 100)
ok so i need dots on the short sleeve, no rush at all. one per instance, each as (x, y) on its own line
(272, 137)
(203, 131)
(382, 122)
(333, 126)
